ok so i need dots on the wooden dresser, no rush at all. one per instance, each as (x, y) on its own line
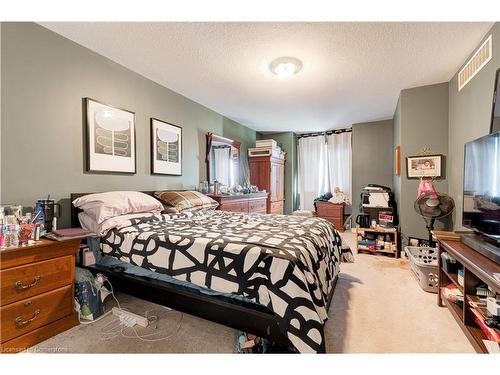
(248, 203)
(37, 293)
(332, 212)
(268, 173)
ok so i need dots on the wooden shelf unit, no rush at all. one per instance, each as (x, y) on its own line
(478, 269)
(393, 232)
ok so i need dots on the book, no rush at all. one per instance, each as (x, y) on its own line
(69, 235)
(483, 291)
(70, 232)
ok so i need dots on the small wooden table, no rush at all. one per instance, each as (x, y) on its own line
(37, 293)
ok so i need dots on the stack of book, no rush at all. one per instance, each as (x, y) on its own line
(68, 234)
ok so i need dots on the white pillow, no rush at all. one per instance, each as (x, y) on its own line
(91, 225)
(102, 206)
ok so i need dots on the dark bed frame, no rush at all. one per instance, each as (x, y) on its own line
(245, 316)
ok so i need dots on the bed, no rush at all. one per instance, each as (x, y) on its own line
(271, 275)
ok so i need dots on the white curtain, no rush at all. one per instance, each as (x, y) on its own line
(313, 170)
(340, 162)
(324, 163)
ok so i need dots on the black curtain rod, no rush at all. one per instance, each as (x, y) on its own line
(328, 132)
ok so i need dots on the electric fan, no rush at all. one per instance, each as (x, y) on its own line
(432, 206)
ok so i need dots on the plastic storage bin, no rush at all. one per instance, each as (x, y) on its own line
(424, 266)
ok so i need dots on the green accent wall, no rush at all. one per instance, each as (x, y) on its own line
(233, 130)
(44, 78)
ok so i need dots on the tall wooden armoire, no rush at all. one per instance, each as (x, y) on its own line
(268, 172)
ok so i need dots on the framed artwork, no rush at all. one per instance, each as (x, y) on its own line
(166, 148)
(397, 159)
(110, 138)
(424, 166)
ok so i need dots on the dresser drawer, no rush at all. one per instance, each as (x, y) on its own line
(24, 316)
(276, 207)
(329, 209)
(336, 221)
(239, 206)
(22, 282)
(257, 205)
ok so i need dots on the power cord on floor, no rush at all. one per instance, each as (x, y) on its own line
(119, 326)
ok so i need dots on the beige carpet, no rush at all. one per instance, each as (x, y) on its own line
(377, 308)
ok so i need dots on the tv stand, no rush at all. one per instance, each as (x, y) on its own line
(478, 269)
(482, 246)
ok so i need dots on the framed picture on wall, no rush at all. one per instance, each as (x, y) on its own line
(110, 138)
(424, 166)
(166, 148)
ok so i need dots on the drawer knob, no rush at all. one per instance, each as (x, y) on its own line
(36, 280)
(20, 322)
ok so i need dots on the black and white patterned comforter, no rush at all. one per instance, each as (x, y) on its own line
(287, 263)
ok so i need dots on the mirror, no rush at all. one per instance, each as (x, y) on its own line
(223, 160)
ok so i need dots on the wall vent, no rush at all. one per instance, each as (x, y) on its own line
(475, 64)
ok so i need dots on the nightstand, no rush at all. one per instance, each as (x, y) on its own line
(36, 293)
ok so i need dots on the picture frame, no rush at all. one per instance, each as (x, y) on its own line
(110, 138)
(424, 166)
(166, 148)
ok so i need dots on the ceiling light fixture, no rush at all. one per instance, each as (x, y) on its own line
(285, 67)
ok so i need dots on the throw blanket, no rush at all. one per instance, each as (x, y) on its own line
(287, 263)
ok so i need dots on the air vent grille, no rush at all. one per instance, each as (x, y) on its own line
(475, 64)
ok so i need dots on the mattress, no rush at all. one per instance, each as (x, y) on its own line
(286, 263)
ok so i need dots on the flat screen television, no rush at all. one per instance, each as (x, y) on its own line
(481, 204)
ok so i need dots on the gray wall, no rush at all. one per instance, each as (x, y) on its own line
(423, 121)
(372, 157)
(288, 143)
(44, 78)
(469, 118)
(396, 121)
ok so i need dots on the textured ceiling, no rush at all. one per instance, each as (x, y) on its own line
(353, 72)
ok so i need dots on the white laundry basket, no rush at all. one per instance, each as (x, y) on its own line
(424, 266)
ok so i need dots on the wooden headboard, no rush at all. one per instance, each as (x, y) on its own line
(75, 223)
